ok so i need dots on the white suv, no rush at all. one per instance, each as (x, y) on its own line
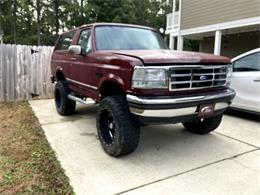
(246, 81)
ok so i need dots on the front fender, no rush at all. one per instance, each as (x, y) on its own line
(112, 78)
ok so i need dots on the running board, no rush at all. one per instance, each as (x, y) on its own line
(87, 101)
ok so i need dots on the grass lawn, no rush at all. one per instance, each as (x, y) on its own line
(27, 163)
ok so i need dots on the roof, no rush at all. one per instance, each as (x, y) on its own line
(115, 24)
(109, 24)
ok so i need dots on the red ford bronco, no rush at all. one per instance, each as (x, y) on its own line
(137, 80)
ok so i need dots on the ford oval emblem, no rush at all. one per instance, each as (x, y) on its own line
(203, 78)
(206, 110)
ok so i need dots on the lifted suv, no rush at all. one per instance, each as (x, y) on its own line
(137, 80)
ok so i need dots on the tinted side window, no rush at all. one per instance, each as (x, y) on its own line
(85, 40)
(248, 63)
(65, 41)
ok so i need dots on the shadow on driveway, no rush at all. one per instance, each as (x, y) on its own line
(245, 115)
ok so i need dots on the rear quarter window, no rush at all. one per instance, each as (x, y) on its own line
(64, 41)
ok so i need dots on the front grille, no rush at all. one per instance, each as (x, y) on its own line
(196, 77)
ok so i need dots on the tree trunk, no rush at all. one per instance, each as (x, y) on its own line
(81, 8)
(57, 24)
(38, 10)
(14, 18)
(1, 32)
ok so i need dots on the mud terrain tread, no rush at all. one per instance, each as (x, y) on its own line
(128, 130)
(67, 106)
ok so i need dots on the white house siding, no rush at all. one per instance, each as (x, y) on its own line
(196, 13)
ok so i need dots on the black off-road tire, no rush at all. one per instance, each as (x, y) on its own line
(205, 126)
(64, 105)
(118, 132)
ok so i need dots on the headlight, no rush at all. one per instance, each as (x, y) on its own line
(229, 74)
(149, 78)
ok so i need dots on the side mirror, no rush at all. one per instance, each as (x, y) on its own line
(75, 49)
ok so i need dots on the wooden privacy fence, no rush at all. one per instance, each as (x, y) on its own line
(25, 72)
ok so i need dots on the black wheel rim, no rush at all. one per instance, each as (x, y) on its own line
(57, 98)
(107, 126)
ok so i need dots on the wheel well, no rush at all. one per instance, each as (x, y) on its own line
(59, 76)
(110, 88)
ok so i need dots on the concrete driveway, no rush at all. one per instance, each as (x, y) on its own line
(168, 160)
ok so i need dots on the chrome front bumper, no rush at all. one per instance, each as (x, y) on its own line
(177, 107)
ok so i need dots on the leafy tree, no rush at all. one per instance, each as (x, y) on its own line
(14, 19)
(110, 11)
(40, 21)
(6, 20)
(37, 6)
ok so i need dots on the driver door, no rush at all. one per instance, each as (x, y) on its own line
(81, 65)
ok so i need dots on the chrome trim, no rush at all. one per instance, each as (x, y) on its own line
(189, 78)
(173, 112)
(221, 105)
(168, 67)
(139, 100)
(83, 84)
(87, 101)
(183, 66)
(164, 112)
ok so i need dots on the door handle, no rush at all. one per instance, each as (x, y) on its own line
(257, 80)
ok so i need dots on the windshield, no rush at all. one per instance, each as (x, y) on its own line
(127, 38)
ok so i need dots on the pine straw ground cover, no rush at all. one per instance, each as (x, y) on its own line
(27, 163)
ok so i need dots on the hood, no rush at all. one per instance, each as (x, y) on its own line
(154, 57)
